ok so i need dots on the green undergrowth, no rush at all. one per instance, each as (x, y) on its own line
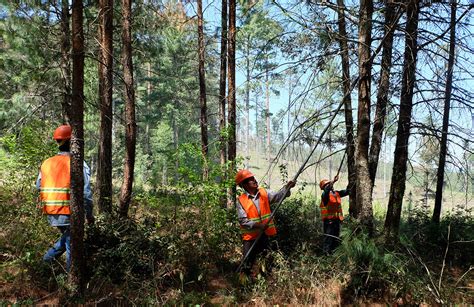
(180, 246)
(186, 252)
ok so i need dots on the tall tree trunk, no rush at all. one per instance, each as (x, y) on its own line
(346, 86)
(364, 195)
(232, 144)
(202, 92)
(149, 89)
(76, 275)
(129, 97)
(288, 120)
(247, 102)
(447, 102)
(222, 86)
(65, 63)
(267, 120)
(104, 170)
(383, 90)
(397, 187)
(175, 144)
(257, 138)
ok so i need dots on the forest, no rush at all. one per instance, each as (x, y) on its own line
(167, 101)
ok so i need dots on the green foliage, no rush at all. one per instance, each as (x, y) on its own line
(123, 250)
(296, 224)
(20, 157)
(375, 271)
(455, 229)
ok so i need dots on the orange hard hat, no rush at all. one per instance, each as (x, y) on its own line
(323, 183)
(62, 133)
(242, 175)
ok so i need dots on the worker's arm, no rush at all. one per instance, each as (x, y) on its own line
(243, 219)
(327, 190)
(88, 194)
(325, 194)
(345, 192)
(38, 187)
(275, 197)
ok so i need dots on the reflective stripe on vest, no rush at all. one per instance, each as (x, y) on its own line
(333, 210)
(252, 215)
(55, 193)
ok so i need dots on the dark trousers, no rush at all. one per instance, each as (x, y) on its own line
(261, 247)
(331, 229)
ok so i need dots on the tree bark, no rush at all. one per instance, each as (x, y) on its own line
(267, 119)
(202, 92)
(65, 63)
(232, 144)
(175, 144)
(104, 170)
(76, 274)
(383, 90)
(247, 102)
(364, 195)
(222, 86)
(397, 187)
(129, 97)
(447, 103)
(149, 89)
(346, 85)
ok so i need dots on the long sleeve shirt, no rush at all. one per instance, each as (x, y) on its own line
(273, 198)
(63, 219)
(328, 189)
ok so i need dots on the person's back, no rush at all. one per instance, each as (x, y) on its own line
(54, 184)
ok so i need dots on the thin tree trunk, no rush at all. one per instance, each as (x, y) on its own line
(267, 120)
(383, 90)
(232, 144)
(149, 89)
(65, 63)
(247, 102)
(447, 102)
(290, 93)
(397, 187)
(129, 97)
(76, 274)
(202, 93)
(222, 86)
(104, 170)
(257, 139)
(364, 195)
(175, 143)
(346, 85)
(330, 162)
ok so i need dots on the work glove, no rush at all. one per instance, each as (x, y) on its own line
(291, 184)
(261, 226)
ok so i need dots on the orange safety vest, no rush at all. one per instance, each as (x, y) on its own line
(252, 215)
(56, 185)
(333, 209)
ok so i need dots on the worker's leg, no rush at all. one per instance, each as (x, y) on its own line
(58, 248)
(327, 236)
(67, 244)
(264, 256)
(335, 232)
(247, 266)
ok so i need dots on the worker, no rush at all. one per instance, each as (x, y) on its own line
(54, 184)
(253, 209)
(331, 213)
